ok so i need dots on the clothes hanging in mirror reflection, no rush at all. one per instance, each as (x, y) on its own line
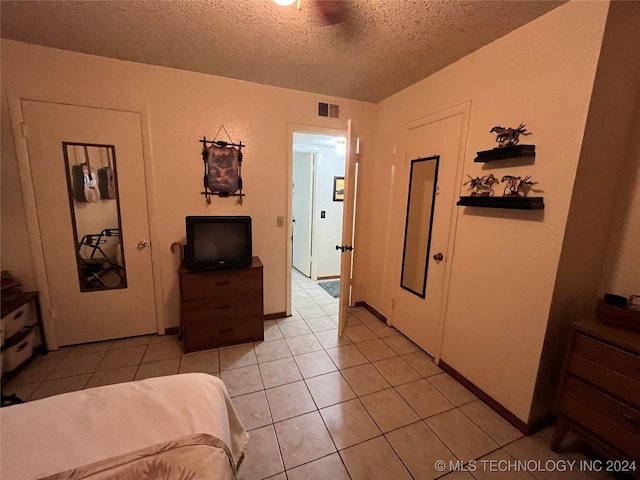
(95, 215)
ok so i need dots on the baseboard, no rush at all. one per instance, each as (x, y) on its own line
(172, 330)
(526, 428)
(329, 277)
(371, 310)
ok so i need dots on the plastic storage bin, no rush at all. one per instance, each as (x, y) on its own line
(17, 349)
(16, 320)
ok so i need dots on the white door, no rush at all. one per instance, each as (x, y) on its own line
(102, 314)
(419, 318)
(303, 167)
(348, 211)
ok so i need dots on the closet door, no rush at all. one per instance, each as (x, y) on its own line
(419, 260)
(100, 287)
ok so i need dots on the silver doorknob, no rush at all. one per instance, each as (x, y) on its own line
(438, 257)
(142, 244)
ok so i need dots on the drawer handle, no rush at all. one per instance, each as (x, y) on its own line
(225, 282)
(224, 307)
(634, 422)
(22, 347)
(225, 330)
(17, 315)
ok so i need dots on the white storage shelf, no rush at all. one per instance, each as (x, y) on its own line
(20, 332)
(18, 351)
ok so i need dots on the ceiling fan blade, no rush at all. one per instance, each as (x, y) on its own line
(333, 11)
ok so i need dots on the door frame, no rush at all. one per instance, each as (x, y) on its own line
(314, 162)
(463, 109)
(291, 129)
(15, 99)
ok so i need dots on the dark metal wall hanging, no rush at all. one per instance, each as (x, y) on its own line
(515, 194)
(222, 167)
(507, 139)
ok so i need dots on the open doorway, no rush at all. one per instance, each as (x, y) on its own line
(318, 160)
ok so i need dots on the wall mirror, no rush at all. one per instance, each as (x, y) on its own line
(95, 215)
(417, 234)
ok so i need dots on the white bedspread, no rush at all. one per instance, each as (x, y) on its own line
(55, 434)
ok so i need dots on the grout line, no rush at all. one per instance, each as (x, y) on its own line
(303, 379)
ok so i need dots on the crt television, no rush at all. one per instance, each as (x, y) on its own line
(218, 242)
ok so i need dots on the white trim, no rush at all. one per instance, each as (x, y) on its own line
(463, 109)
(33, 227)
(154, 220)
(385, 265)
(15, 100)
(299, 147)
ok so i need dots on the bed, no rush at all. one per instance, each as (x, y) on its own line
(176, 427)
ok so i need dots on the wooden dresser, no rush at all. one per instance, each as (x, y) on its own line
(221, 307)
(600, 394)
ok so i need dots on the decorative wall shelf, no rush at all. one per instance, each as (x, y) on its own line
(520, 203)
(515, 151)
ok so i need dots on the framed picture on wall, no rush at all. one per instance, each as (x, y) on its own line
(338, 189)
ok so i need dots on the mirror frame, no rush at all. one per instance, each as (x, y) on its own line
(435, 158)
(74, 227)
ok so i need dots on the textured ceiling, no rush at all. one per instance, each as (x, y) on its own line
(381, 48)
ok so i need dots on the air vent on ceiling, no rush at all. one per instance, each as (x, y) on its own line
(328, 110)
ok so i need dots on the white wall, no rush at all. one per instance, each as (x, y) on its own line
(183, 107)
(504, 263)
(327, 232)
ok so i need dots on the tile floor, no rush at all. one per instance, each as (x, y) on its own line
(369, 405)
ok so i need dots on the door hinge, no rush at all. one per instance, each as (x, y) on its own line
(393, 304)
(25, 130)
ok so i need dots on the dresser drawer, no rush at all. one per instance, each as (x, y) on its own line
(613, 421)
(220, 283)
(607, 367)
(206, 333)
(15, 321)
(221, 308)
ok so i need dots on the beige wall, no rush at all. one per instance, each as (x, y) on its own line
(601, 244)
(183, 107)
(504, 263)
(622, 256)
